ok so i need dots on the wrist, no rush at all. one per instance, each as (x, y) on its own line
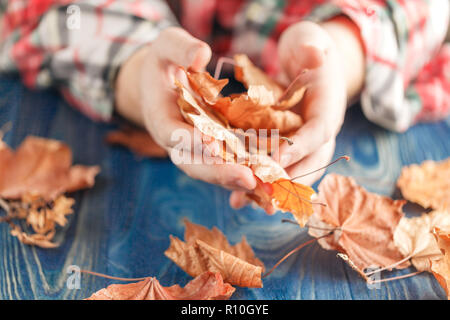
(127, 87)
(347, 40)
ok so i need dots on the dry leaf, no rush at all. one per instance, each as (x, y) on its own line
(41, 167)
(365, 222)
(427, 184)
(40, 240)
(138, 141)
(250, 75)
(207, 286)
(42, 215)
(414, 237)
(253, 110)
(441, 268)
(283, 194)
(209, 250)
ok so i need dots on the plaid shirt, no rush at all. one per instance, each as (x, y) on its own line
(79, 46)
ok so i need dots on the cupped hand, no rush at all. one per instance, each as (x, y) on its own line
(157, 66)
(308, 54)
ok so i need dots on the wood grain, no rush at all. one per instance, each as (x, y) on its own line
(121, 227)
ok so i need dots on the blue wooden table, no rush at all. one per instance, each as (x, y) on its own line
(121, 227)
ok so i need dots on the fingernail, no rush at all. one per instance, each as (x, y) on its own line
(285, 160)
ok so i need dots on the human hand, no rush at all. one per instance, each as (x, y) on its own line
(147, 81)
(307, 51)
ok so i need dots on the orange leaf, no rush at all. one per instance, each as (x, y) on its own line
(207, 286)
(250, 75)
(441, 267)
(209, 250)
(365, 223)
(41, 167)
(294, 198)
(138, 141)
(427, 184)
(252, 109)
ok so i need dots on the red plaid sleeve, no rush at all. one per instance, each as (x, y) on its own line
(77, 45)
(407, 77)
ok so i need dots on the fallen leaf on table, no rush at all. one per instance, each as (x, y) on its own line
(207, 286)
(364, 222)
(414, 237)
(441, 267)
(40, 240)
(209, 250)
(41, 167)
(137, 140)
(427, 184)
(32, 182)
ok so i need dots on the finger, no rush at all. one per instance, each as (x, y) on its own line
(238, 200)
(178, 46)
(302, 46)
(310, 163)
(232, 176)
(306, 140)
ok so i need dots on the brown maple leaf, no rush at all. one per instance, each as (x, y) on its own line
(414, 237)
(209, 250)
(441, 267)
(41, 167)
(138, 141)
(364, 223)
(427, 184)
(207, 286)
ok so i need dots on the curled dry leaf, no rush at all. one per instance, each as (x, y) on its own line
(274, 187)
(365, 223)
(207, 286)
(41, 167)
(414, 238)
(250, 75)
(39, 240)
(209, 250)
(42, 215)
(250, 110)
(427, 184)
(138, 141)
(441, 267)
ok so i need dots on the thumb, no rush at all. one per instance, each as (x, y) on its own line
(178, 46)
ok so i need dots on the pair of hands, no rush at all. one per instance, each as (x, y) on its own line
(303, 46)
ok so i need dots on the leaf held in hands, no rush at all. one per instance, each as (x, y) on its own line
(209, 250)
(294, 198)
(138, 141)
(207, 286)
(427, 184)
(365, 223)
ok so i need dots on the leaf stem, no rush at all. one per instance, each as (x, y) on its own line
(97, 274)
(324, 167)
(294, 251)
